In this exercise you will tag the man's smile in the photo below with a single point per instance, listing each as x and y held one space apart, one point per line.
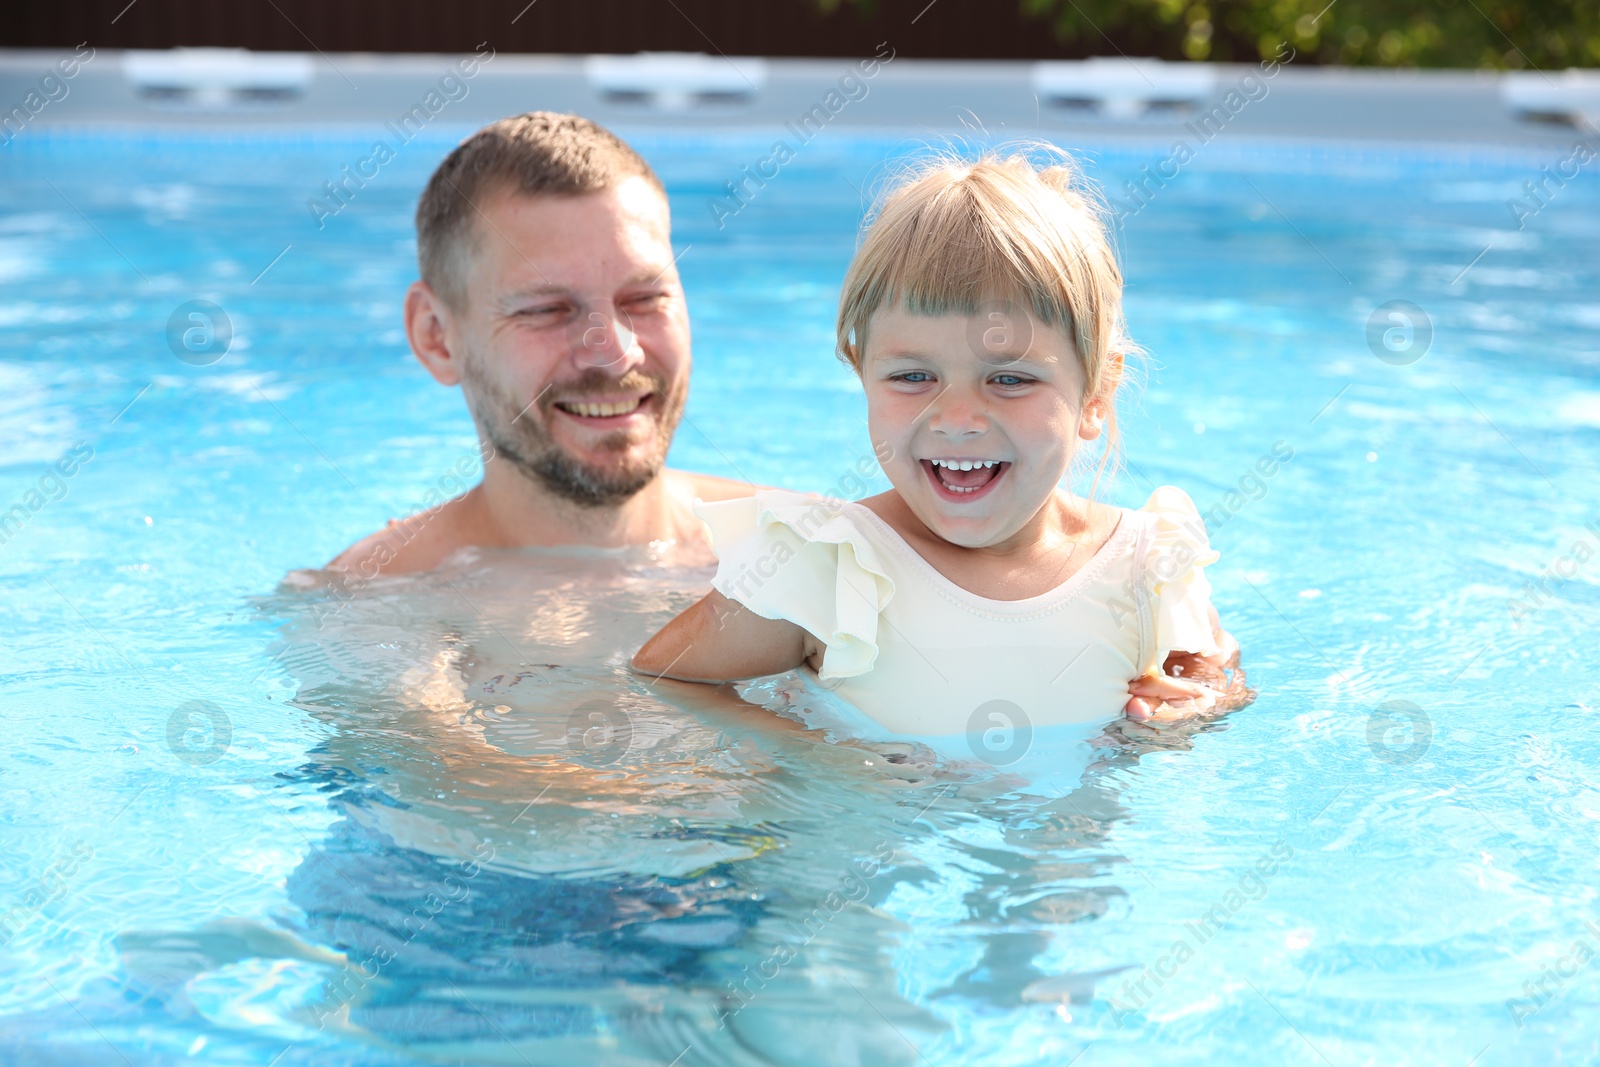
606 411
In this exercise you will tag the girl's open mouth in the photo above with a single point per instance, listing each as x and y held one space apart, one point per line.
964 480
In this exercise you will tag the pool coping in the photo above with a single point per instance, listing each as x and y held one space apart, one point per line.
937 98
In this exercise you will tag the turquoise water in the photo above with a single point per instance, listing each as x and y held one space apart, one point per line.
258 823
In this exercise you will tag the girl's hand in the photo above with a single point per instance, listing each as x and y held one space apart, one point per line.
1164 698
1191 686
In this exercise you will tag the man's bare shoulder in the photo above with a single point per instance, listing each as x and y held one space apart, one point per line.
709 487
405 546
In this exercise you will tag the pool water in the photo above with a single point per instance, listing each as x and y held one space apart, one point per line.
255 821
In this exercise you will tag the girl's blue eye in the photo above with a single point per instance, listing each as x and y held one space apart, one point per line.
1009 381
915 377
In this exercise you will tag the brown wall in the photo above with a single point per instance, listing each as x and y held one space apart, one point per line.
969 29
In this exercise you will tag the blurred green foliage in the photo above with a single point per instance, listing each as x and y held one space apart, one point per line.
1494 34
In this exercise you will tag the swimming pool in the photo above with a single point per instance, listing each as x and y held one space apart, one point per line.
260 825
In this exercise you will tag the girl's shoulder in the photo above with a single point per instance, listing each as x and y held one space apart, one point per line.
1177 551
1170 502
1177 538
814 561
803 516
772 527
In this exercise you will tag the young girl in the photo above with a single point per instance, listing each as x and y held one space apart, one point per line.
983 314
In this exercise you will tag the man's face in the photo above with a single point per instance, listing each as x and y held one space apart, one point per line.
574 338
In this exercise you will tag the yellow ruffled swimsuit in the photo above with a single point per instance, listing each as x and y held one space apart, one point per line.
924 657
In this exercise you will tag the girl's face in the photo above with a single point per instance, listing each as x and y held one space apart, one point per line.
984 414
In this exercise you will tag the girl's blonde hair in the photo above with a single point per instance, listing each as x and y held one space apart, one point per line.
957 237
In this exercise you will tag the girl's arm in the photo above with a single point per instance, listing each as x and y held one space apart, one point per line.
720 640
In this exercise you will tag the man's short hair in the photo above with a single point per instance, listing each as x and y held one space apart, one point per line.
541 153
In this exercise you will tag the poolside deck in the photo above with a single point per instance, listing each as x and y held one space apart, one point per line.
1350 105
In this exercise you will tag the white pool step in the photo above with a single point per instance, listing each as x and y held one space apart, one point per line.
217 77
676 81
1570 95
1123 89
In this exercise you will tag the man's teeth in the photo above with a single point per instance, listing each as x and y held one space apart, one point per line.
595 411
964 464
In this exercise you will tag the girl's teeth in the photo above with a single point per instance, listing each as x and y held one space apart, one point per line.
954 465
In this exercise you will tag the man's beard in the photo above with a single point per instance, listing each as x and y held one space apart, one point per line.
520 432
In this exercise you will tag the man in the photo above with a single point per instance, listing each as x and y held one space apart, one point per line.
550 295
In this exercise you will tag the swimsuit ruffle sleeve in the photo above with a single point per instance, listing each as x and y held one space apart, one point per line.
797 557
1180 595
